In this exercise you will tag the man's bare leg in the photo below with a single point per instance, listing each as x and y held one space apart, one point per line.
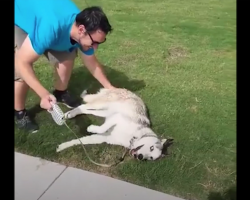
63 70
63 73
21 89
23 121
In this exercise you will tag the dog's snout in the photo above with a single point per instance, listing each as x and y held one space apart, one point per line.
140 157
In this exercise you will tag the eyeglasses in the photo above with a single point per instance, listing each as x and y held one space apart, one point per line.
95 42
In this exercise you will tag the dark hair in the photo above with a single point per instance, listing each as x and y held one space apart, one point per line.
93 18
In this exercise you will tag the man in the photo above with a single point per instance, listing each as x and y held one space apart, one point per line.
55 28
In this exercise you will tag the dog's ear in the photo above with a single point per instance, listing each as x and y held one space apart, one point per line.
160 145
166 143
163 141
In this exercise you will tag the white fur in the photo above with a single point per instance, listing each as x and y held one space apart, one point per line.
126 123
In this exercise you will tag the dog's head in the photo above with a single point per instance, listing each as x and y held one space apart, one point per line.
150 148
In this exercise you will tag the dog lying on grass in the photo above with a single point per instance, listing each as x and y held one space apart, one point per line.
126 124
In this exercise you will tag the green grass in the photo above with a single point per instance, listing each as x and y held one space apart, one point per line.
180 57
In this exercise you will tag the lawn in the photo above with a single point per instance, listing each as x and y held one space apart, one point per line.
180 57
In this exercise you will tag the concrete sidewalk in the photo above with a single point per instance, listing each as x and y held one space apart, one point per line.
40 179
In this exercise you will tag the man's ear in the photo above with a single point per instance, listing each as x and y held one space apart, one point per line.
81 29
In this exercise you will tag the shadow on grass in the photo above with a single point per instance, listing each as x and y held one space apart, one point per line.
229 194
81 79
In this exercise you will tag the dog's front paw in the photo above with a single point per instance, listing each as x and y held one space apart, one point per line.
59 148
63 146
68 115
93 129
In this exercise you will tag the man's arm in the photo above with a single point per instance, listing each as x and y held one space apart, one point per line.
25 57
96 69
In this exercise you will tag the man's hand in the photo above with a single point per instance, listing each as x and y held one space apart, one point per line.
47 100
111 87
96 70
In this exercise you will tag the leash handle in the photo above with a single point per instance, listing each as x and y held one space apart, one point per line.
57 114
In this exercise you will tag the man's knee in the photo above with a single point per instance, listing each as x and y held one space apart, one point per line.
20 36
56 57
18 78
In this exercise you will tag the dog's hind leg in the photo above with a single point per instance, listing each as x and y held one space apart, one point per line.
92 139
109 122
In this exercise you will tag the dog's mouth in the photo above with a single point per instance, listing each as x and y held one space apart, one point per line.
133 152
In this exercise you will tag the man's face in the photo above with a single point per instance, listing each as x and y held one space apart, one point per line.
87 40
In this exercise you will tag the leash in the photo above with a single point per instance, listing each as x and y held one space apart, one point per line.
59 118
99 164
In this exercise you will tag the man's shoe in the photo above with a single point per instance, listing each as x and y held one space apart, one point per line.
65 98
24 122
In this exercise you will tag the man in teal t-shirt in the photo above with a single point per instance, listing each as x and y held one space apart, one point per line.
55 28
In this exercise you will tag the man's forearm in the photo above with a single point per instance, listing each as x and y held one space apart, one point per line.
28 75
98 72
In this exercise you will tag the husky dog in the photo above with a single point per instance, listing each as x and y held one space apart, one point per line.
126 124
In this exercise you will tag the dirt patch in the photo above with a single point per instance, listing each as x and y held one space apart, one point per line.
193 109
175 54
224 53
128 58
128 44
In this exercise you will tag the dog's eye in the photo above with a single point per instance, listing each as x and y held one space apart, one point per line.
151 158
151 148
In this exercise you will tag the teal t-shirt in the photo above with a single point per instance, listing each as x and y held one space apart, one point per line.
48 24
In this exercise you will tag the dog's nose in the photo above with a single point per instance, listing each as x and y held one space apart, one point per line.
140 157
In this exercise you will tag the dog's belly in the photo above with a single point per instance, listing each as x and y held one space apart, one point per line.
122 133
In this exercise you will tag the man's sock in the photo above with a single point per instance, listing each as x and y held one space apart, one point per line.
20 113
59 92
